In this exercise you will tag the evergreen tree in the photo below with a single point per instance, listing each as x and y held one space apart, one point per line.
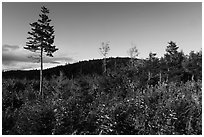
172 48
193 65
174 60
41 39
171 57
152 67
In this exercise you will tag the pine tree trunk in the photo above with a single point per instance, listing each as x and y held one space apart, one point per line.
41 73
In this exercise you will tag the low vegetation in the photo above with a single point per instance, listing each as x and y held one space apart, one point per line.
156 96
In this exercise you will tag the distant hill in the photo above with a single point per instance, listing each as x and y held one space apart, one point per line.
70 70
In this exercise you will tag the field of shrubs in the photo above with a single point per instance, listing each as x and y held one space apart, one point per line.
112 104
109 96
153 96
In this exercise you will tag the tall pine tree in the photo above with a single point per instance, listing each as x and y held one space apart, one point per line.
41 39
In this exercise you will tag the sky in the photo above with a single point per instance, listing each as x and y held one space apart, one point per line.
80 28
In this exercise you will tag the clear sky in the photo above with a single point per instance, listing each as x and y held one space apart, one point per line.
81 27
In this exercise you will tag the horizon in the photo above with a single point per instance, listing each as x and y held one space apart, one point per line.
63 64
80 27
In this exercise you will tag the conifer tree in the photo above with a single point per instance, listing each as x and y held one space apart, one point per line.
193 64
174 60
171 56
41 39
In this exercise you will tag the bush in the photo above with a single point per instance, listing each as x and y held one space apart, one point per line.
110 105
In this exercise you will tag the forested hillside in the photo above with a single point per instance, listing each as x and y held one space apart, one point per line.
70 70
133 97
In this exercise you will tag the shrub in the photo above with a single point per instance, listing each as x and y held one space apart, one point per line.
108 105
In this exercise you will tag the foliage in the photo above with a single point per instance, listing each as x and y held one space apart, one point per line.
192 64
122 102
42 35
104 105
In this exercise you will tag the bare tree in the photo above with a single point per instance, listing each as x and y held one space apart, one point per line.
133 53
104 49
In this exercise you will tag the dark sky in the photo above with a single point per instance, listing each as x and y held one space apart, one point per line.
81 27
